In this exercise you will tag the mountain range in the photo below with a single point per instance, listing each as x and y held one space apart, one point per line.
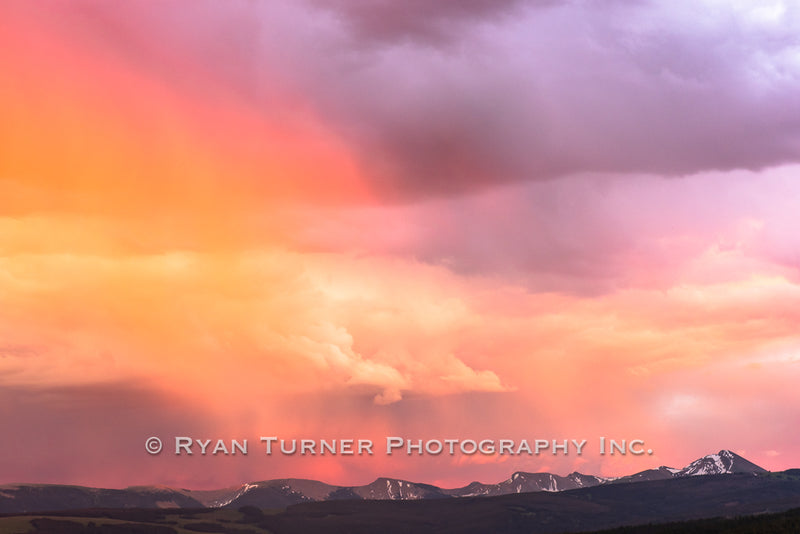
279 493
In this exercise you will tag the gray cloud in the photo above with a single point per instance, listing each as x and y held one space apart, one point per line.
449 97
582 87
418 21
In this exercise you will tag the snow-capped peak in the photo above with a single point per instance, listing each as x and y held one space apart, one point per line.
712 464
722 463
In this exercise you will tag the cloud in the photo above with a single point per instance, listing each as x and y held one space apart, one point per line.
636 88
510 105
463 377
307 322
587 234
19 351
436 221
68 433
436 100
417 21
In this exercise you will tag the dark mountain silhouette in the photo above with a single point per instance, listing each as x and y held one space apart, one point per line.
280 493
589 509
703 504
16 498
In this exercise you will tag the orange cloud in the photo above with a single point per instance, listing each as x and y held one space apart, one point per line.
234 261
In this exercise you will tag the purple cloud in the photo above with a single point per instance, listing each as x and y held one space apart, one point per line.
614 88
447 97
419 21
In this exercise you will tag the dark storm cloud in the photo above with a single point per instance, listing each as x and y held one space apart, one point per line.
418 21
441 98
581 87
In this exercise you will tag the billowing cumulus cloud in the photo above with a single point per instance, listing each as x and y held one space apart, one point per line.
273 321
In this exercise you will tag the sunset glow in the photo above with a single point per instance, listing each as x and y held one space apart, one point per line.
347 219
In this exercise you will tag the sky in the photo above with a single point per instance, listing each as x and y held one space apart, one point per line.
335 219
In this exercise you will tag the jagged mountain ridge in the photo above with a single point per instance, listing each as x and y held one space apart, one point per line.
724 462
279 493
521 482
